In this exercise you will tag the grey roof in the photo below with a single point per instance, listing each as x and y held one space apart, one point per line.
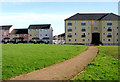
39 26
93 16
19 31
111 16
5 27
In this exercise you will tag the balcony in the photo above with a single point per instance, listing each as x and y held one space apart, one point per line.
109 36
69 36
69 24
83 23
83 29
109 29
69 30
83 36
109 23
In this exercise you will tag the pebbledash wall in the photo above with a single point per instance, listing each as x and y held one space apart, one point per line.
79 28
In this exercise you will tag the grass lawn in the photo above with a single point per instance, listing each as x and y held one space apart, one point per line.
104 67
24 58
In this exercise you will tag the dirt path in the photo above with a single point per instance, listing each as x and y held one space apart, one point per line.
63 70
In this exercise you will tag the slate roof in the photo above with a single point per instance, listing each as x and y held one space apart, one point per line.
5 27
93 16
61 35
20 31
39 26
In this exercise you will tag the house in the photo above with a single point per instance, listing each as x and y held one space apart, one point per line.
19 36
40 33
59 39
92 29
4 33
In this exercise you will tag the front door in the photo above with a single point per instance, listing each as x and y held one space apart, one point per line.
96 38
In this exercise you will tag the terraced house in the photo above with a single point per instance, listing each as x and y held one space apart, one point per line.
40 33
92 28
19 36
4 33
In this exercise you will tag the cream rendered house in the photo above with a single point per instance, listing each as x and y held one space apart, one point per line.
92 28
40 33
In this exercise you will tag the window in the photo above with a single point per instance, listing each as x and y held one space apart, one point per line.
83 34
69 23
35 34
69 28
117 33
69 34
69 40
109 39
103 33
75 27
109 29
88 33
109 35
75 39
83 40
88 39
25 35
117 27
95 28
83 23
117 39
88 21
109 23
75 21
46 35
30 34
40 29
103 39
75 33
95 22
83 29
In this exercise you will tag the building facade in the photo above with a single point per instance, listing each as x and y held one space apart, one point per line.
19 36
40 33
4 33
92 28
59 39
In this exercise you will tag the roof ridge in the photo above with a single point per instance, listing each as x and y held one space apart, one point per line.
103 16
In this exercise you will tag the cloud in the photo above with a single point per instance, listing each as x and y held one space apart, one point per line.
23 20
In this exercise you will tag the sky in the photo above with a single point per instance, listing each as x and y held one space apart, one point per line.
22 14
